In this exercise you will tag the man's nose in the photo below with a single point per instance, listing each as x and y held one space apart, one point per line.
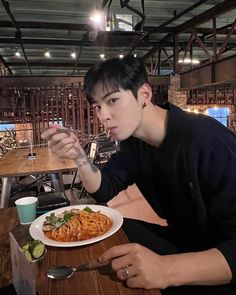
104 114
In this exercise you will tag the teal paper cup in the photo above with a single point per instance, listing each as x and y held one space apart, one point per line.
26 209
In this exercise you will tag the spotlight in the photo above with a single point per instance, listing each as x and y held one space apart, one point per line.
17 53
96 17
121 55
187 61
195 61
47 54
73 54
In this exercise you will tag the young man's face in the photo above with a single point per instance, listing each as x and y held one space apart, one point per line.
120 112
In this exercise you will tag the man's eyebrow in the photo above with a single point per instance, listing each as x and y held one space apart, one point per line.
106 95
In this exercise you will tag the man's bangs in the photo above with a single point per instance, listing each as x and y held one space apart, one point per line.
110 85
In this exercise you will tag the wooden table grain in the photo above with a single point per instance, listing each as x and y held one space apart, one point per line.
16 163
95 282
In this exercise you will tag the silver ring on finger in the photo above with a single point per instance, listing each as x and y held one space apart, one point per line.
125 272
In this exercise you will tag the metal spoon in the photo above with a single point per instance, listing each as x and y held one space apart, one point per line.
66 271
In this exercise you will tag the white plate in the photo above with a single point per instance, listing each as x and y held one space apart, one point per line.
37 233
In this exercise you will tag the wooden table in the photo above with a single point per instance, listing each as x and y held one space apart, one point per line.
16 163
87 283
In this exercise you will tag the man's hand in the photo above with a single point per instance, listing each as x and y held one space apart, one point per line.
142 268
64 143
139 266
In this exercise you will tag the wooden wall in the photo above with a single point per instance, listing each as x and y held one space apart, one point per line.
34 106
32 109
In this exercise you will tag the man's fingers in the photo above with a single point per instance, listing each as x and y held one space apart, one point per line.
115 252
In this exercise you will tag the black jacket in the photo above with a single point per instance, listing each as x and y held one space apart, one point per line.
190 180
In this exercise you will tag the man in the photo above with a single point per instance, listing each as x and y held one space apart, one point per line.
185 166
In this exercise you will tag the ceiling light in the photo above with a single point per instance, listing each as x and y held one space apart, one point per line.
195 61
17 53
102 55
96 17
73 54
187 61
47 54
121 55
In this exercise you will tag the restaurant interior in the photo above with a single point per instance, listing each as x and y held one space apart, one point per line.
46 48
188 47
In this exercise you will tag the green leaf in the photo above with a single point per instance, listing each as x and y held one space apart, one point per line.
52 218
88 209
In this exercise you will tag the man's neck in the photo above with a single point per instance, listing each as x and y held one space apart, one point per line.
154 125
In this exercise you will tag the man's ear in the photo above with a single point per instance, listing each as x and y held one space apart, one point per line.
145 94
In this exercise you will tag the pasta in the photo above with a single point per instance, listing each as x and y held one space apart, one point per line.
76 225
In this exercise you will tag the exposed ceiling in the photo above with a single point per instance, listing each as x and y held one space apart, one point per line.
62 26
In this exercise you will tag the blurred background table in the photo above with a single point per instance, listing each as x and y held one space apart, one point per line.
16 163
87 283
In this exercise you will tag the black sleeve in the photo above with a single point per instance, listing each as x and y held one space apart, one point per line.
220 181
117 174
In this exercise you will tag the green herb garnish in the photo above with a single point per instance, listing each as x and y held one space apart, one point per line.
88 209
58 221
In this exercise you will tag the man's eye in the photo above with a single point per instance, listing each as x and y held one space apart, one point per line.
96 108
112 100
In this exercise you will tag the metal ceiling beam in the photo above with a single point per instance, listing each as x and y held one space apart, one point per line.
2 60
46 63
207 15
207 33
17 33
37 81
177 16
87 27
217 10
64 42
219 72
47 26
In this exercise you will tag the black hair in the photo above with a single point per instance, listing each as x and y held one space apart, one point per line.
114 74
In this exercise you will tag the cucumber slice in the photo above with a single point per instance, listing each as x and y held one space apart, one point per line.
38 250
25 247
28 255
33 250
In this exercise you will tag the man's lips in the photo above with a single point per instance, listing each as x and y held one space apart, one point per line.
111 130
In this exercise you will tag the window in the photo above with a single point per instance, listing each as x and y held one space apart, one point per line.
6 127
220 114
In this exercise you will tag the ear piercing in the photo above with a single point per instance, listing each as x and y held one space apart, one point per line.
144 105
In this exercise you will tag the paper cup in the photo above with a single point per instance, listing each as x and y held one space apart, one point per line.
26 209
